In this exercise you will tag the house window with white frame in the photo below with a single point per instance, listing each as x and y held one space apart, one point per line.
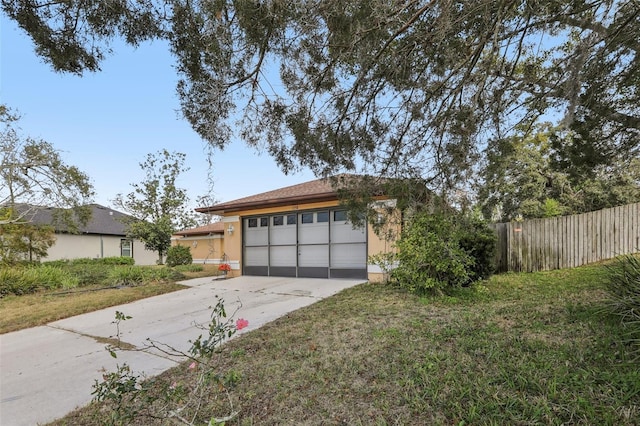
126 248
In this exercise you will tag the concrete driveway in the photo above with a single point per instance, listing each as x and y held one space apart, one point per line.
48 371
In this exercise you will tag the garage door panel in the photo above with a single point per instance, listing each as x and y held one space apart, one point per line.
283 235
283 255
348 255
313 256
351 273
282 271
314 233
313 272
256 236
344 233
256 256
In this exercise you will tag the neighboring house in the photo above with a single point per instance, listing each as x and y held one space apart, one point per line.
103 236
206 242
297 231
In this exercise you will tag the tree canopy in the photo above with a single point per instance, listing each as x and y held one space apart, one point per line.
33 174
525 177
398 89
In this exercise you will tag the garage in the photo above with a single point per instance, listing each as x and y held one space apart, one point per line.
310 244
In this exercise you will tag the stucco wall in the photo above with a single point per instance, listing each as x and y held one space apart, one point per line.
204 248
74 246
383 241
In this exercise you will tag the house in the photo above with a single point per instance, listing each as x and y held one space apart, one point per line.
206 242
297 231
104 235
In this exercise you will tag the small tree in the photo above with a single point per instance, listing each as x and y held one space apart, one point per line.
156 206
24 241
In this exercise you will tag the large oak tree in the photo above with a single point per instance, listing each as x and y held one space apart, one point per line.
411 89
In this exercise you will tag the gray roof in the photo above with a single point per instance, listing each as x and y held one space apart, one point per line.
103 221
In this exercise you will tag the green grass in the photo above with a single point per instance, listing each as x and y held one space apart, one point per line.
63 289
520 349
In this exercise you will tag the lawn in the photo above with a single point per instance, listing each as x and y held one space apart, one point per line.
30 310
520 349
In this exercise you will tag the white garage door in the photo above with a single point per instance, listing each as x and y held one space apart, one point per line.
315 244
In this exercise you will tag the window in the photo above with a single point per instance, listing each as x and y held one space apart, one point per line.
278 220
253 223
307 217
340 216
323 217
264 221
291 219
126 248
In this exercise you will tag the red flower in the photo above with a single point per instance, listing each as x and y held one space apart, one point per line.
241 323
224 267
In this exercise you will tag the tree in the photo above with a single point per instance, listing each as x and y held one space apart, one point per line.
525 176
32 174
24 241
156 205
400 89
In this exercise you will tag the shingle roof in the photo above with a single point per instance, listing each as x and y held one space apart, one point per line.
104 221
212 228
315 190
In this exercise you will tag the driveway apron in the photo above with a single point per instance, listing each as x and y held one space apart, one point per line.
48 371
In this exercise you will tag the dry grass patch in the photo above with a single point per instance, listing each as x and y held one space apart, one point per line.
30 310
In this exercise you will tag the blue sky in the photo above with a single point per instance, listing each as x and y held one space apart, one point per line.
107 122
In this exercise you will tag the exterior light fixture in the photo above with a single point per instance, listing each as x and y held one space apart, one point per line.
230 229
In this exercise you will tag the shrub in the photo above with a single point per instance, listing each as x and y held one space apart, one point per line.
429 255
91 274
442 250
112 260
116 260
127 275
480 242
162 274
25 280
179 255
623 287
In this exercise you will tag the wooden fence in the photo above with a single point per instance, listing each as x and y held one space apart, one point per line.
568 241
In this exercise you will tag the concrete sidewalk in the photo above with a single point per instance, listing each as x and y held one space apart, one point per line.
48 371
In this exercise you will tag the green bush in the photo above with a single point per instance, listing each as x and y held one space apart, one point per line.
25 280
623 288
116 260
112 260
162 274
429 255
127 275
480 242
90 274
179 255
441 250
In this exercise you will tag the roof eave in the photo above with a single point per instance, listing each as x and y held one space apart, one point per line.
222 209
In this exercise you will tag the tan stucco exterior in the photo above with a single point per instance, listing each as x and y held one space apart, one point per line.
380 242
74 246
204 248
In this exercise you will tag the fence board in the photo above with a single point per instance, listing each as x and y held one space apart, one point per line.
568 241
